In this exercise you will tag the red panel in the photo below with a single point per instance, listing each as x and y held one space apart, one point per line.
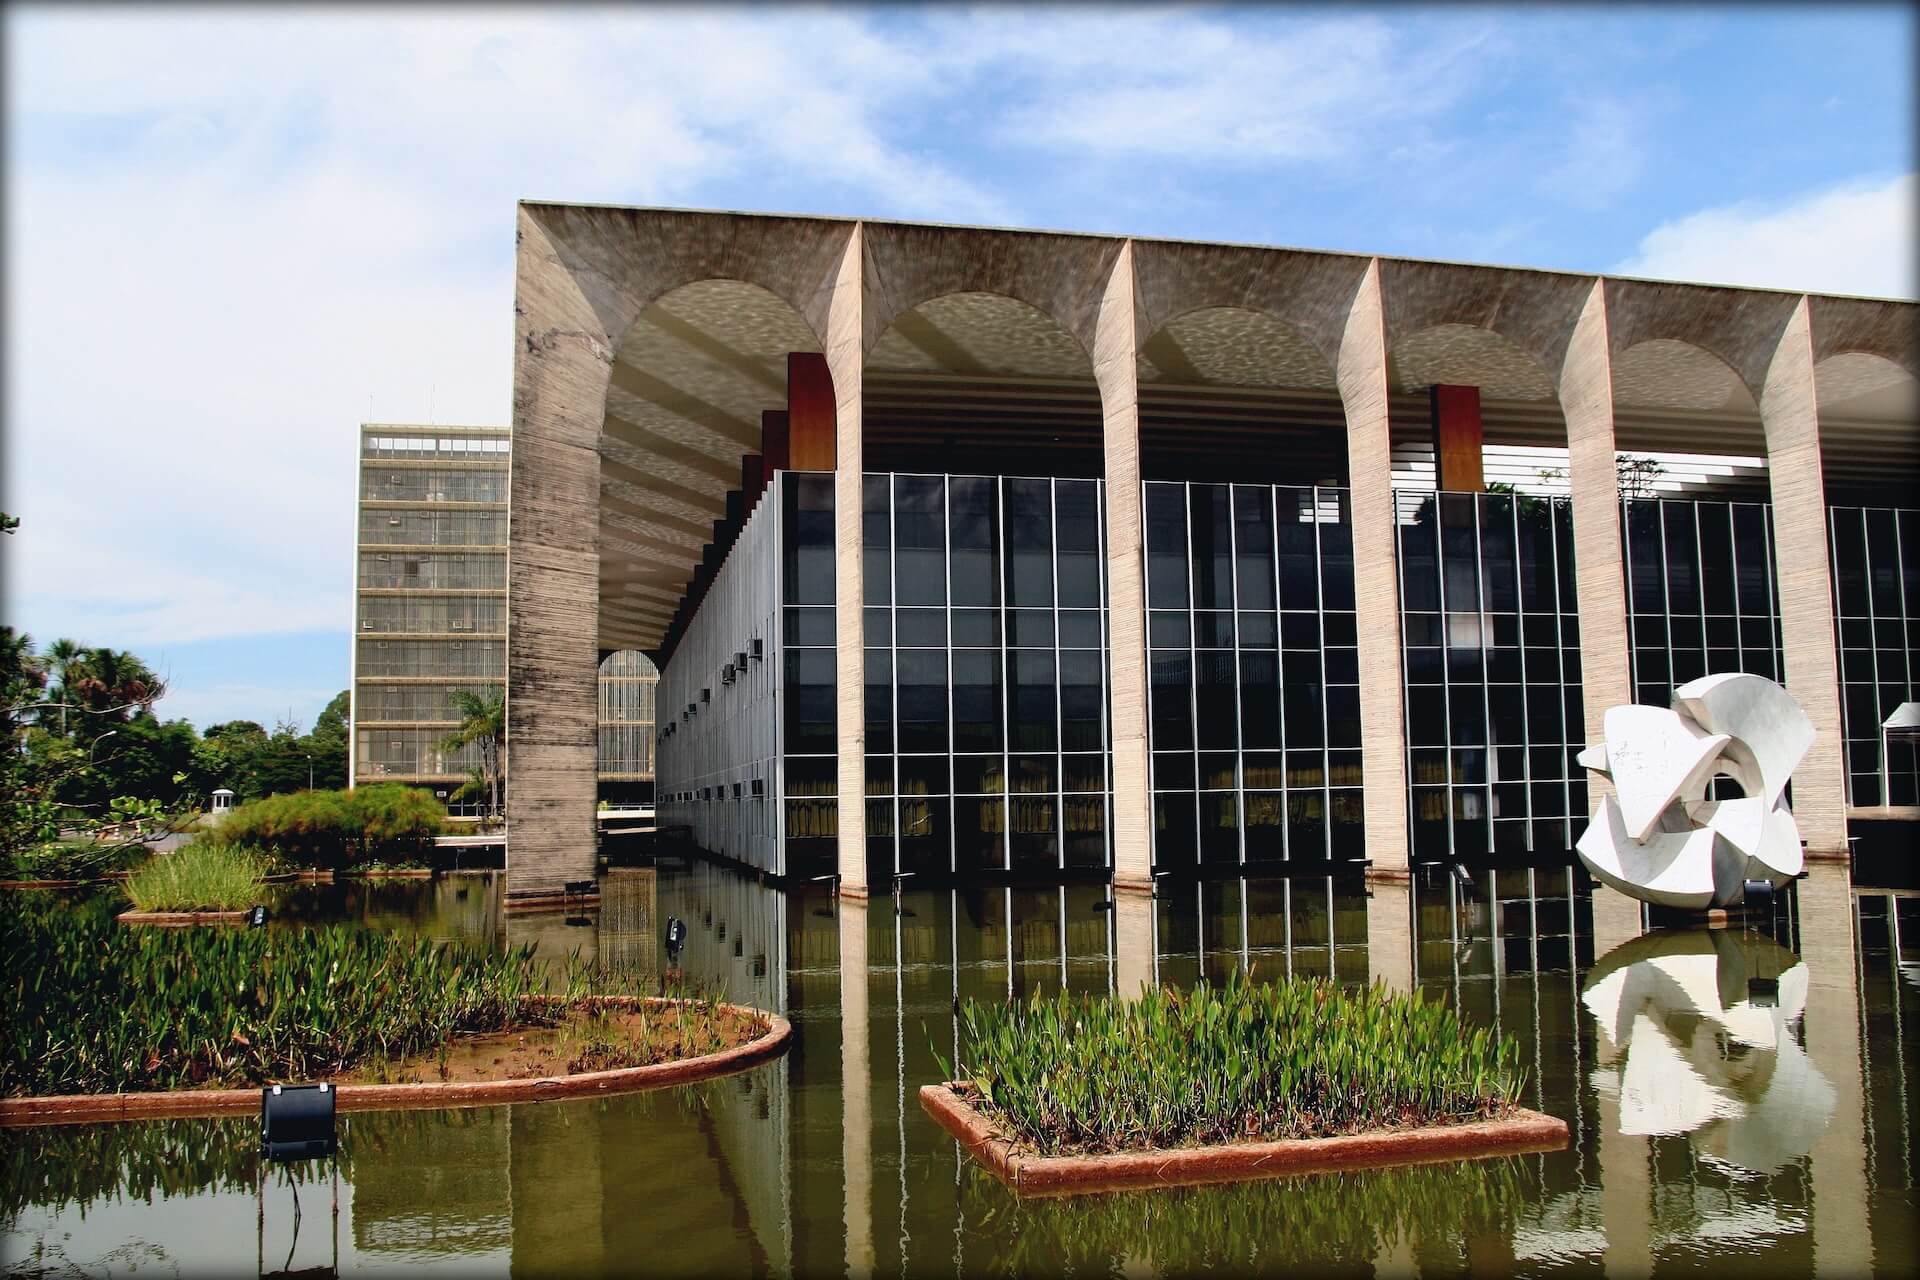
810 412
1457 438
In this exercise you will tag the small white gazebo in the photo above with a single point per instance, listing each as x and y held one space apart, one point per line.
222 803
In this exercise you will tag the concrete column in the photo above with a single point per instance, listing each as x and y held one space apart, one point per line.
856 1088
1616 919
846 354
1804 575
1842 1244
1133 944
1116 372
1586 399
1362 377
562 360
1390 936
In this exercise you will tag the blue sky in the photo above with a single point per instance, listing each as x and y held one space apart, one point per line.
233 233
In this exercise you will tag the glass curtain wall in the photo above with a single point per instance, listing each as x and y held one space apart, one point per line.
1254 698
1876 592
986 699
1491 643
1700 593
809 777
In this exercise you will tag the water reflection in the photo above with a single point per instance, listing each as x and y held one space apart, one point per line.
1698 1036
1711 1128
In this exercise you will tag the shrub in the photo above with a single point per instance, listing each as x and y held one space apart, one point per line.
1243 1062
197 877
335 828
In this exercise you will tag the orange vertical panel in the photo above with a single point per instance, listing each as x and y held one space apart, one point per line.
810 412
1457 437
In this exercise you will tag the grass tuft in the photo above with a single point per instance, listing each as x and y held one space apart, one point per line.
1244 1062
197 877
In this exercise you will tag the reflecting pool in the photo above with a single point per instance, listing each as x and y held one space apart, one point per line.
1740 1101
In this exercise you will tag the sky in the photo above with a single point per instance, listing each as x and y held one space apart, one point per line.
232 234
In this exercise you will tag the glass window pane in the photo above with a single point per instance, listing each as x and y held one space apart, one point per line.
973 504
1166 539
920 539
1077 517
1029 542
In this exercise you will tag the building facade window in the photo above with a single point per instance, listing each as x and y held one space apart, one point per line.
1490 640
1876 591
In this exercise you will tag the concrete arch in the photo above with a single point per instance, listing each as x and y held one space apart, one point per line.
1470 355
1742 328
906 266
1229 344
1534 312
980 332
1861 400
1312 294
623 260
1865 326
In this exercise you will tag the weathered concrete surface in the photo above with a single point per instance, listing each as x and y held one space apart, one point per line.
1805 581
845 361
1586 398
1116 370
1362 373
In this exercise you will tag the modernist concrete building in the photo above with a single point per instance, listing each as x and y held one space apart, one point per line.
430 619
986 552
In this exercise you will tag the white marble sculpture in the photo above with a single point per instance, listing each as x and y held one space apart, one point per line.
1659 838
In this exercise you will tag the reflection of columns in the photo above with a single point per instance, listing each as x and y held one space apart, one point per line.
562 361
1362 375
856 1087
1116 372
1842 1245
846 348
1799 492
1616 918
1626 1187
1133 944
1389 936
1586 399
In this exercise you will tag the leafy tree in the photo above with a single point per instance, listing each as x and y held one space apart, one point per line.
483 726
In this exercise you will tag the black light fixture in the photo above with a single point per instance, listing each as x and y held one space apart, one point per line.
256 917
676 938
297 1122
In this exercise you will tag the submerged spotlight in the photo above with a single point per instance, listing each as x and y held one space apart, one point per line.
297 1122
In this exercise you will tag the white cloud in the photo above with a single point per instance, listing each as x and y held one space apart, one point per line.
233 236
1857 238
1172 86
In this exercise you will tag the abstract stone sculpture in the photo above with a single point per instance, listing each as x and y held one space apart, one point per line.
1661 840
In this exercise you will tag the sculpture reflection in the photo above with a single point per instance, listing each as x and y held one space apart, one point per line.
1697 1036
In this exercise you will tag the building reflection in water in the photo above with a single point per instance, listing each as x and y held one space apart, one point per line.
1708 1125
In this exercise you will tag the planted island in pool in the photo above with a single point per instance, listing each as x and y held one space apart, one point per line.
95 1009
1239 1080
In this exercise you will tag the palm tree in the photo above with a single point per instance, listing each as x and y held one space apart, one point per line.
483 726
61 656
112 682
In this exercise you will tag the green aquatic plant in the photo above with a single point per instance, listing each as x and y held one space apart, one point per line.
1247 1061
197 877
95 1007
